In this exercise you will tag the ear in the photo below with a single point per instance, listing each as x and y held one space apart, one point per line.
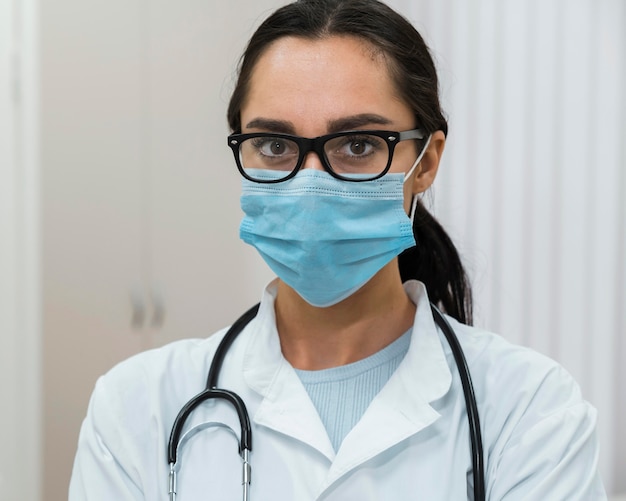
426 171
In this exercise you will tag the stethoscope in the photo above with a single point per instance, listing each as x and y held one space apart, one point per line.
211 391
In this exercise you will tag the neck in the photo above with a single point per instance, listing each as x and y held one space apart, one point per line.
318 338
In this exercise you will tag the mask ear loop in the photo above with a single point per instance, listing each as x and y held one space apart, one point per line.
413 209
418 160
408 175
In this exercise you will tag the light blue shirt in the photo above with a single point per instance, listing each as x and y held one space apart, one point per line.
342 394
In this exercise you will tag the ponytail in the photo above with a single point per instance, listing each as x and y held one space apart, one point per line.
436 262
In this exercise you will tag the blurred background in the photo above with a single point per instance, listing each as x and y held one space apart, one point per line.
119 206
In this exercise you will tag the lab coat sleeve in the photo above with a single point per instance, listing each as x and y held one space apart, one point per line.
103 466
552 452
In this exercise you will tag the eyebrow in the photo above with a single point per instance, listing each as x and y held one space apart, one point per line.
356 122
268 124
353 122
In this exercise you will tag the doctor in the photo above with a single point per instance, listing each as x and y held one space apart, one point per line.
352 391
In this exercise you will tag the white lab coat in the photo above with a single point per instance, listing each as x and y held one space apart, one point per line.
412 442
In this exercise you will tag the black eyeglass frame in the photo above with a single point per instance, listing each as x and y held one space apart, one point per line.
316 145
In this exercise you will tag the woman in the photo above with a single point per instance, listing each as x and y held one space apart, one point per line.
351 388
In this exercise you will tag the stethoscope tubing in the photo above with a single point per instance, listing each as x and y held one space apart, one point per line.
226 342
476 441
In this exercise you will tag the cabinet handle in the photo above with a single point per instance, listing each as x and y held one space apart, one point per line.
139 309
158 315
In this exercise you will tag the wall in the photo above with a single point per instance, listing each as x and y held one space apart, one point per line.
533 181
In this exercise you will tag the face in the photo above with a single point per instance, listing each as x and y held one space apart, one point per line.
314 87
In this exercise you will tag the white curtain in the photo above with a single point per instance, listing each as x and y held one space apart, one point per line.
533 183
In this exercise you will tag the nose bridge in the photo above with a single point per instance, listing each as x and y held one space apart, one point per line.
312 161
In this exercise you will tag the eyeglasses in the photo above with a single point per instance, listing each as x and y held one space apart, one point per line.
361 155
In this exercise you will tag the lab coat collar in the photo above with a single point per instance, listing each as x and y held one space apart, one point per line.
426 375
400 410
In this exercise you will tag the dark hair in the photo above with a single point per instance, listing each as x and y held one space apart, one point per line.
434 260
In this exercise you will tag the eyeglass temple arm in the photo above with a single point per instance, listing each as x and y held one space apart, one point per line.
412 134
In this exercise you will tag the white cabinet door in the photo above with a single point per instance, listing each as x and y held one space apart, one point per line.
198 264
140 192
194 202
93 161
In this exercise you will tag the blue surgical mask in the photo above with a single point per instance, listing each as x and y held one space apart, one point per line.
324 237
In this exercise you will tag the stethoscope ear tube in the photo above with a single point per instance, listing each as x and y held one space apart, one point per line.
470 404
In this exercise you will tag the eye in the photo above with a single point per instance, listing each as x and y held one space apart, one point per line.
268 152
360 146
273 146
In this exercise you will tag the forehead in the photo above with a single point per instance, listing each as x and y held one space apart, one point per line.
313 81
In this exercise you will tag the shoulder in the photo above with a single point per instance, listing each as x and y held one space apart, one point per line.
539 434
137 400
190 354
172 372
123 438
504 372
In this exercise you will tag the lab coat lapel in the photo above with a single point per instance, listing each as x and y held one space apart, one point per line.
286 406
402 408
